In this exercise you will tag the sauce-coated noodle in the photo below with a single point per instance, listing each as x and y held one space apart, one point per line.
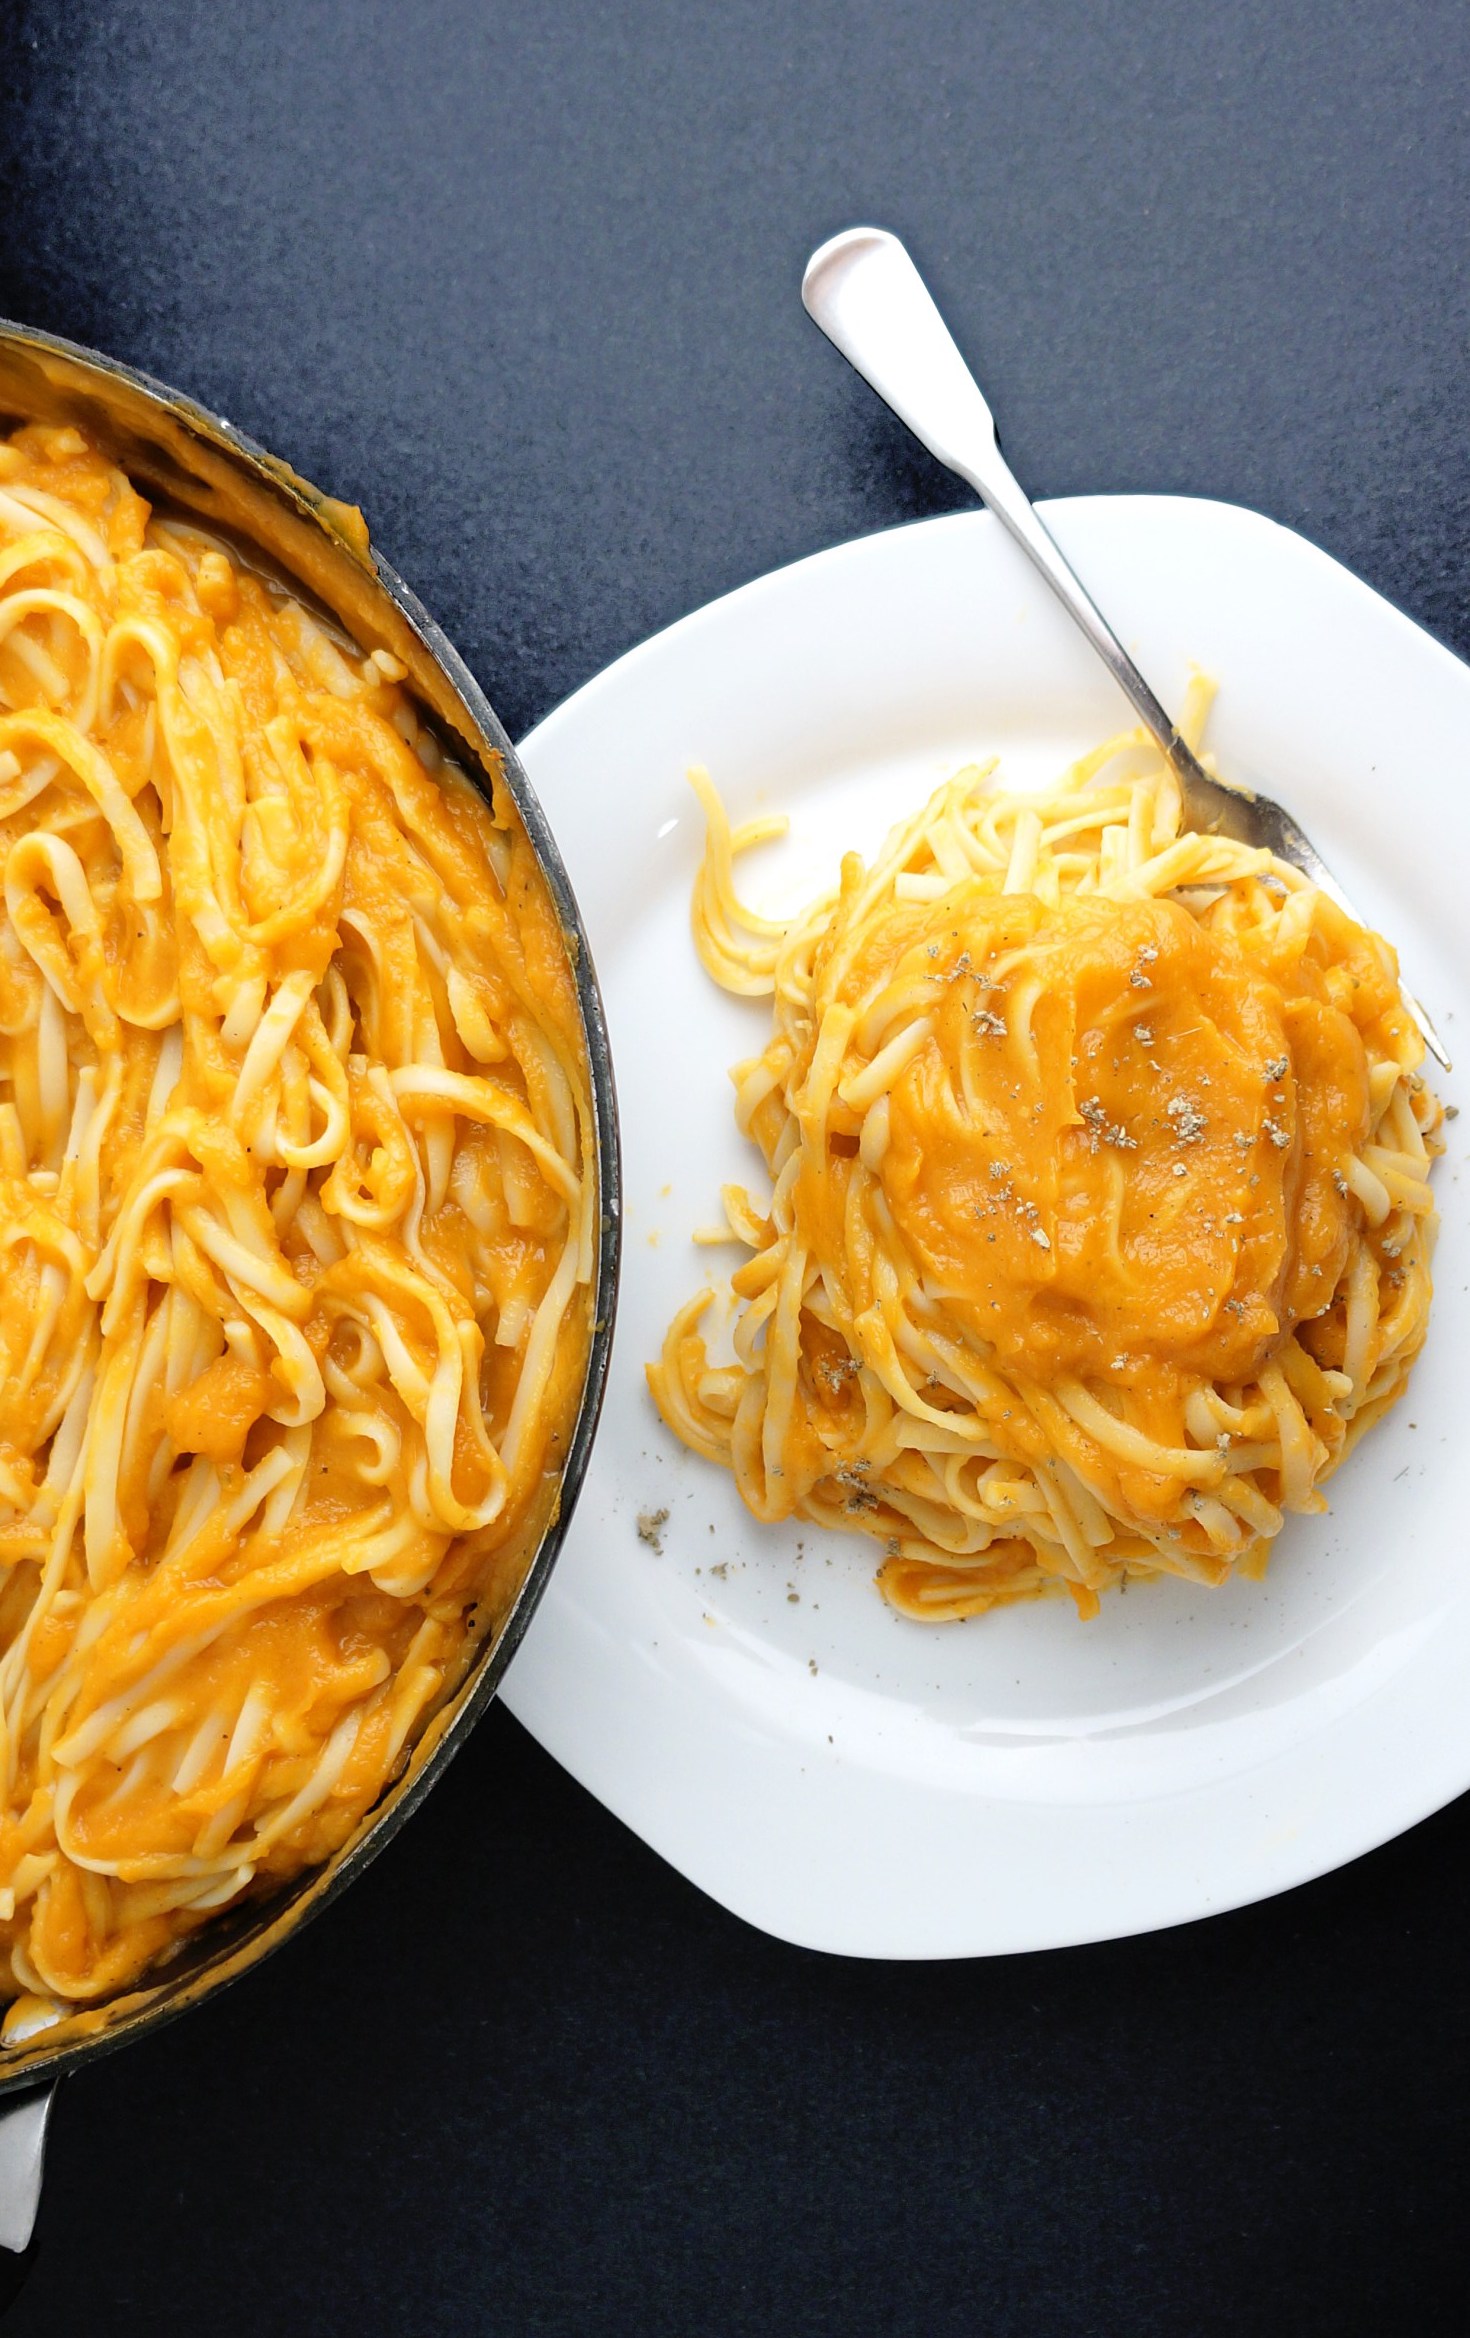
297 1214
1100 1222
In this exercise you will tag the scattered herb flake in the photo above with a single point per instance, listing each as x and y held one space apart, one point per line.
1189 1122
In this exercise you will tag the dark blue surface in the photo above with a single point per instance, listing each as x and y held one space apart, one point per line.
520 277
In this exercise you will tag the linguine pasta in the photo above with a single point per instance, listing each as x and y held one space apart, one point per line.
297 1223
1099 1223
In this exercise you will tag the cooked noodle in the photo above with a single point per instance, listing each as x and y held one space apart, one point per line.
1100 1223
297 1217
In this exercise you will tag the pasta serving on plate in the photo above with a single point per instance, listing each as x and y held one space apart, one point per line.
1099 1223
297 1219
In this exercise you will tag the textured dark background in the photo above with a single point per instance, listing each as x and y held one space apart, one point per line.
520 276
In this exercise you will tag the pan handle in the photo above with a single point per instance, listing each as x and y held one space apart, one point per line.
23 2122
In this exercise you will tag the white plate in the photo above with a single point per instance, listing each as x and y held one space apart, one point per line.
840 1776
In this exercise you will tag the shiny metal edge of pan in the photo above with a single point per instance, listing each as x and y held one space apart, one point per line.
195 460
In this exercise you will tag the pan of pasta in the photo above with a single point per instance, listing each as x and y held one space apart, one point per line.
308 1203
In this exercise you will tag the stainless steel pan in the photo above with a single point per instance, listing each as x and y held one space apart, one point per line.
197 463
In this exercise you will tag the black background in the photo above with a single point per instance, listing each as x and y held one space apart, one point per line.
520 277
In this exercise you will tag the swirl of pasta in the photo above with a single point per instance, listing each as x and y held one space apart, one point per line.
297 1225
1099 1224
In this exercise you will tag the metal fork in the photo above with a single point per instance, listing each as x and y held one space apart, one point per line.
870 300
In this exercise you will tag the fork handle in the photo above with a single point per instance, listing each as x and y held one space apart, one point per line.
871 302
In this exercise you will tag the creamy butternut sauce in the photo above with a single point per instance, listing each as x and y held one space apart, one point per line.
297 1211
1099 1216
